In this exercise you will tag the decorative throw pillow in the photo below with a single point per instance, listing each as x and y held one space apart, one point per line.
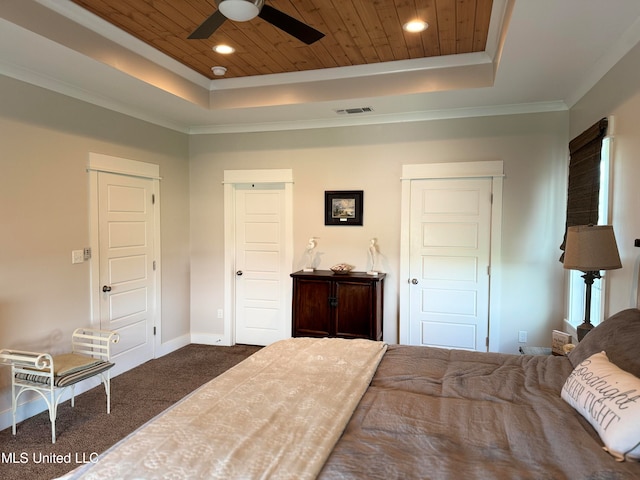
619 336
609 398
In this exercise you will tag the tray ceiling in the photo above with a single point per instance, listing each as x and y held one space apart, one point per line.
357 32
538 56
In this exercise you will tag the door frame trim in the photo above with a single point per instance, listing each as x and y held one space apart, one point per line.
231 178
97 163
483 169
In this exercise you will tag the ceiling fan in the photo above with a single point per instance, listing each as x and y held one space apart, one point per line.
245 10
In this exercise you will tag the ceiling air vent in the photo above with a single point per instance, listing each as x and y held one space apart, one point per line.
350 111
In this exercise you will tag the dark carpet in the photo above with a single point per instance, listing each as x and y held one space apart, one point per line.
86 430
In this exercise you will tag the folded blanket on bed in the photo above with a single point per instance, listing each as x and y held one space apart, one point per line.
276 415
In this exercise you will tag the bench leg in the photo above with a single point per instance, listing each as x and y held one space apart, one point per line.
106 381
53 413
14 408
53 426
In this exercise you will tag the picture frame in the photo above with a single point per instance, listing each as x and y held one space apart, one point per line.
343 207
558 340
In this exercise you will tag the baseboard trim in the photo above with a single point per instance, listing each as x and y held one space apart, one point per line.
208 339
173 345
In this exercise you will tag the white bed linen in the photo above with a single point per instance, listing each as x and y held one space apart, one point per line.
276 415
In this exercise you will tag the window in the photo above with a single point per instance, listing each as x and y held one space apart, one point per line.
576 300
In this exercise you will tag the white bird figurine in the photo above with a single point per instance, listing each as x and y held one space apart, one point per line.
310 255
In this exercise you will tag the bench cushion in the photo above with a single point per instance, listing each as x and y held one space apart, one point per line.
72 362
69 378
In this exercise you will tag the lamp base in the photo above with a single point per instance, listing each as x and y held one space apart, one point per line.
583 329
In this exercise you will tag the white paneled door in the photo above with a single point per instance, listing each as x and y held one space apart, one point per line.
261 299
450 246
127 280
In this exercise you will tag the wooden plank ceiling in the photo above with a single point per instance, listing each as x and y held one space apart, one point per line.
357 32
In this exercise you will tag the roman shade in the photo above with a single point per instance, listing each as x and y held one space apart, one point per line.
584 178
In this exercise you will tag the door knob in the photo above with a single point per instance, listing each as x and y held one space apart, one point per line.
239 273
414 281
106 288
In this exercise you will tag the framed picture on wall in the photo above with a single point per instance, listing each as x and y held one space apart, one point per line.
343 207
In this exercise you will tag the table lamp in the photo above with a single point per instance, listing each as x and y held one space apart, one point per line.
590 249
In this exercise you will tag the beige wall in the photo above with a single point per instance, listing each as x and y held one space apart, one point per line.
45 140
618 94
370 158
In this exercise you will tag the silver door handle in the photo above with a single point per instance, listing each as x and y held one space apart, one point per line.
414 281
239 273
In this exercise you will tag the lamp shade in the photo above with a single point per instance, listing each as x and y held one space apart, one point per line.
591 248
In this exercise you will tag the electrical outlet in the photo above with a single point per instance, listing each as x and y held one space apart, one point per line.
522 336
220 313
77 256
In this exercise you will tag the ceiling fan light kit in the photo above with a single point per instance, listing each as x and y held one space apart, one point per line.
245 10
240 10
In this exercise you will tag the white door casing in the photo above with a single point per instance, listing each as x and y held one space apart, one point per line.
259 301
447 297
125 286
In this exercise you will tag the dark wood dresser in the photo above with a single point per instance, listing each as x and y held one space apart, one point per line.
337 305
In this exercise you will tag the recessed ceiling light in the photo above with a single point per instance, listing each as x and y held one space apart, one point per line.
415 26
224 49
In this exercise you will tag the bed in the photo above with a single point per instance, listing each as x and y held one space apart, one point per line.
338 409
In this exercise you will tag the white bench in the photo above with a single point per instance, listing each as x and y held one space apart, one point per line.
50 376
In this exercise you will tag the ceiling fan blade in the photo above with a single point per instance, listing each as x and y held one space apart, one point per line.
284 22
210 25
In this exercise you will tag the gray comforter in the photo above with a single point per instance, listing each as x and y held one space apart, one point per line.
438 414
